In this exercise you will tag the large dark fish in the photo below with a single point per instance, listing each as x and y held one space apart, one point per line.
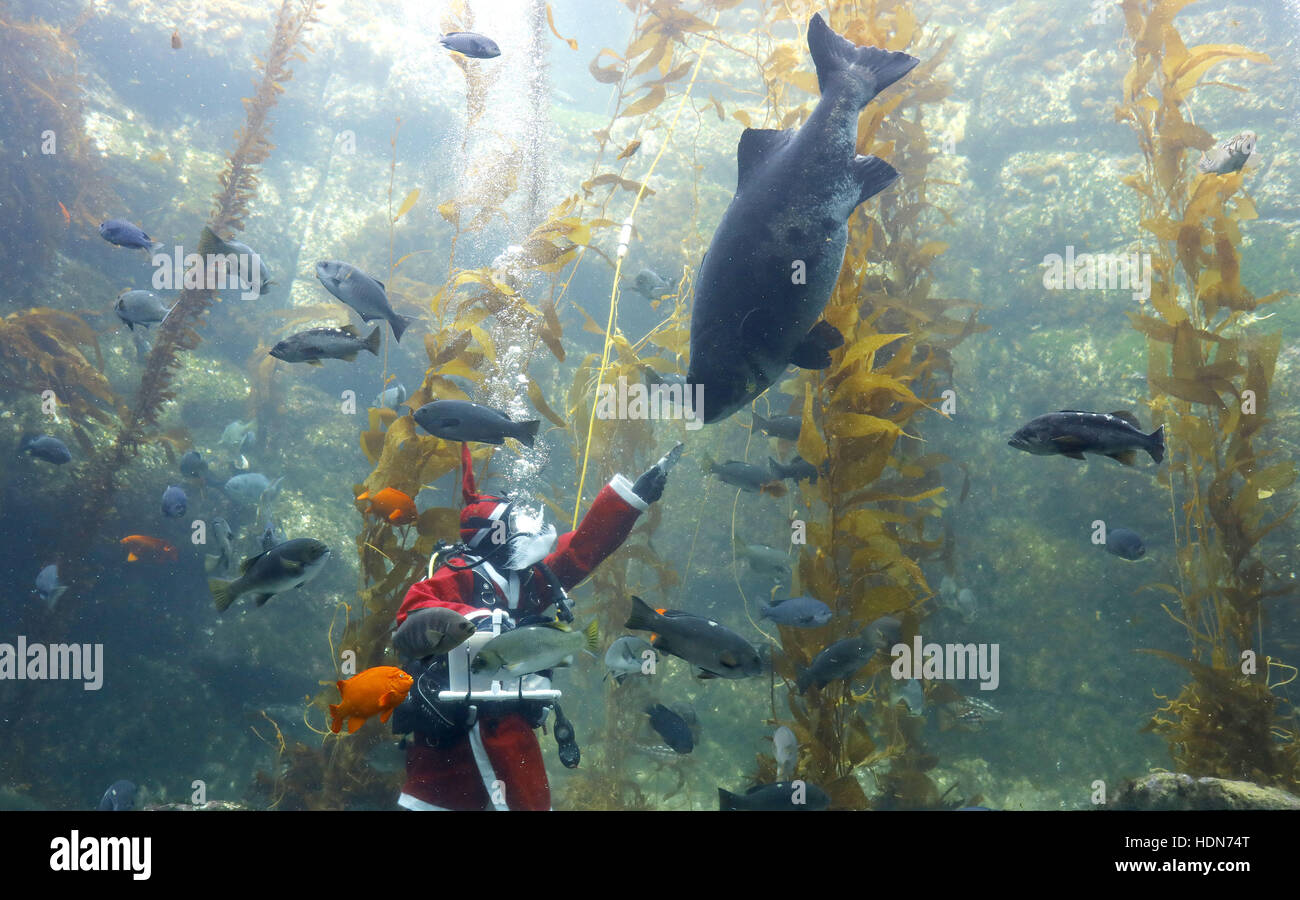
366 295
43 446
315 344
477 46
798 469
125 234
460 420
1072 433
1125 544
784 427
778 250
715 649
843 658
671 727
119 797
746 476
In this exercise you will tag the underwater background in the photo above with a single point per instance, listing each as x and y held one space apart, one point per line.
489 196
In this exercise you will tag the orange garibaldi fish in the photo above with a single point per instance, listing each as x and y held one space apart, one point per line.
391 504
374 691
141 546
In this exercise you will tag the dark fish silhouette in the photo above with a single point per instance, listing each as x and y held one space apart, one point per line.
1072 433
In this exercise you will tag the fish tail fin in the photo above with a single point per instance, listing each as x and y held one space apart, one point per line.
642 617
869 70
399 324
759 422
1157 448
372 341
528 432
222 596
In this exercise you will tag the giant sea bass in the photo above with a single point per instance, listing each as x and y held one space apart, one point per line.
777 252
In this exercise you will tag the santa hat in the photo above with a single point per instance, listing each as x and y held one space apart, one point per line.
481 511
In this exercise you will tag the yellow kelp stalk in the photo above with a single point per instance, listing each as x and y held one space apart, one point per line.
1209 372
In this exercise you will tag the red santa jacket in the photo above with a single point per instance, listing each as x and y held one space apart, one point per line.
605 526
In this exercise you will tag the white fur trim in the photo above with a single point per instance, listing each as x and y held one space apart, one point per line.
623 488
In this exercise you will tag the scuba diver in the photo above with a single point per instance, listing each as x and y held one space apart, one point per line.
482 753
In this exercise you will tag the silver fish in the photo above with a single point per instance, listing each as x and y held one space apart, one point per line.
47 585
1230 156
143 308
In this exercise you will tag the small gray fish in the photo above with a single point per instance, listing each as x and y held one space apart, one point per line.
221 537
174 502
784 427
797 469
1230 156
143 308
366 295
247 265
315 344
1125 544
432 631
968 714
785 747
470 44
750 478
460 420
392 397
124 234
845 657
798 612
912 693
48 587
282 568
627 656
252 488
193 465
1073 432
45 447
764 560
966 605
784 795
236 432
649 285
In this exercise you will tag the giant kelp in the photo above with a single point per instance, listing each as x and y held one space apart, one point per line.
860 421
178 334
1209 372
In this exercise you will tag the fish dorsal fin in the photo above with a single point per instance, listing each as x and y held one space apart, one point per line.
381 285
1073 410
755 145
1127 417
248 563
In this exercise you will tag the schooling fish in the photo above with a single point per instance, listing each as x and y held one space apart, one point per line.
282 568
778 250
221 537
671 727
236 433
750 478
174 502
844 657
124 234
717 651
1125 544
764 560
1072 433
193 465
797 469
42 446
470 44
48 587
460 420
374 692
366 295
252 488
315 344
798 612
649 285
1230 156
143 308
784 427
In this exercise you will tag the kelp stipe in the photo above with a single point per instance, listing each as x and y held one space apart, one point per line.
1209 373
178 334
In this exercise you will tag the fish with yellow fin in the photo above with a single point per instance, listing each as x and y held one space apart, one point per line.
375 692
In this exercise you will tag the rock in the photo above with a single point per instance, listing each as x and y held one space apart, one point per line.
1168 790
